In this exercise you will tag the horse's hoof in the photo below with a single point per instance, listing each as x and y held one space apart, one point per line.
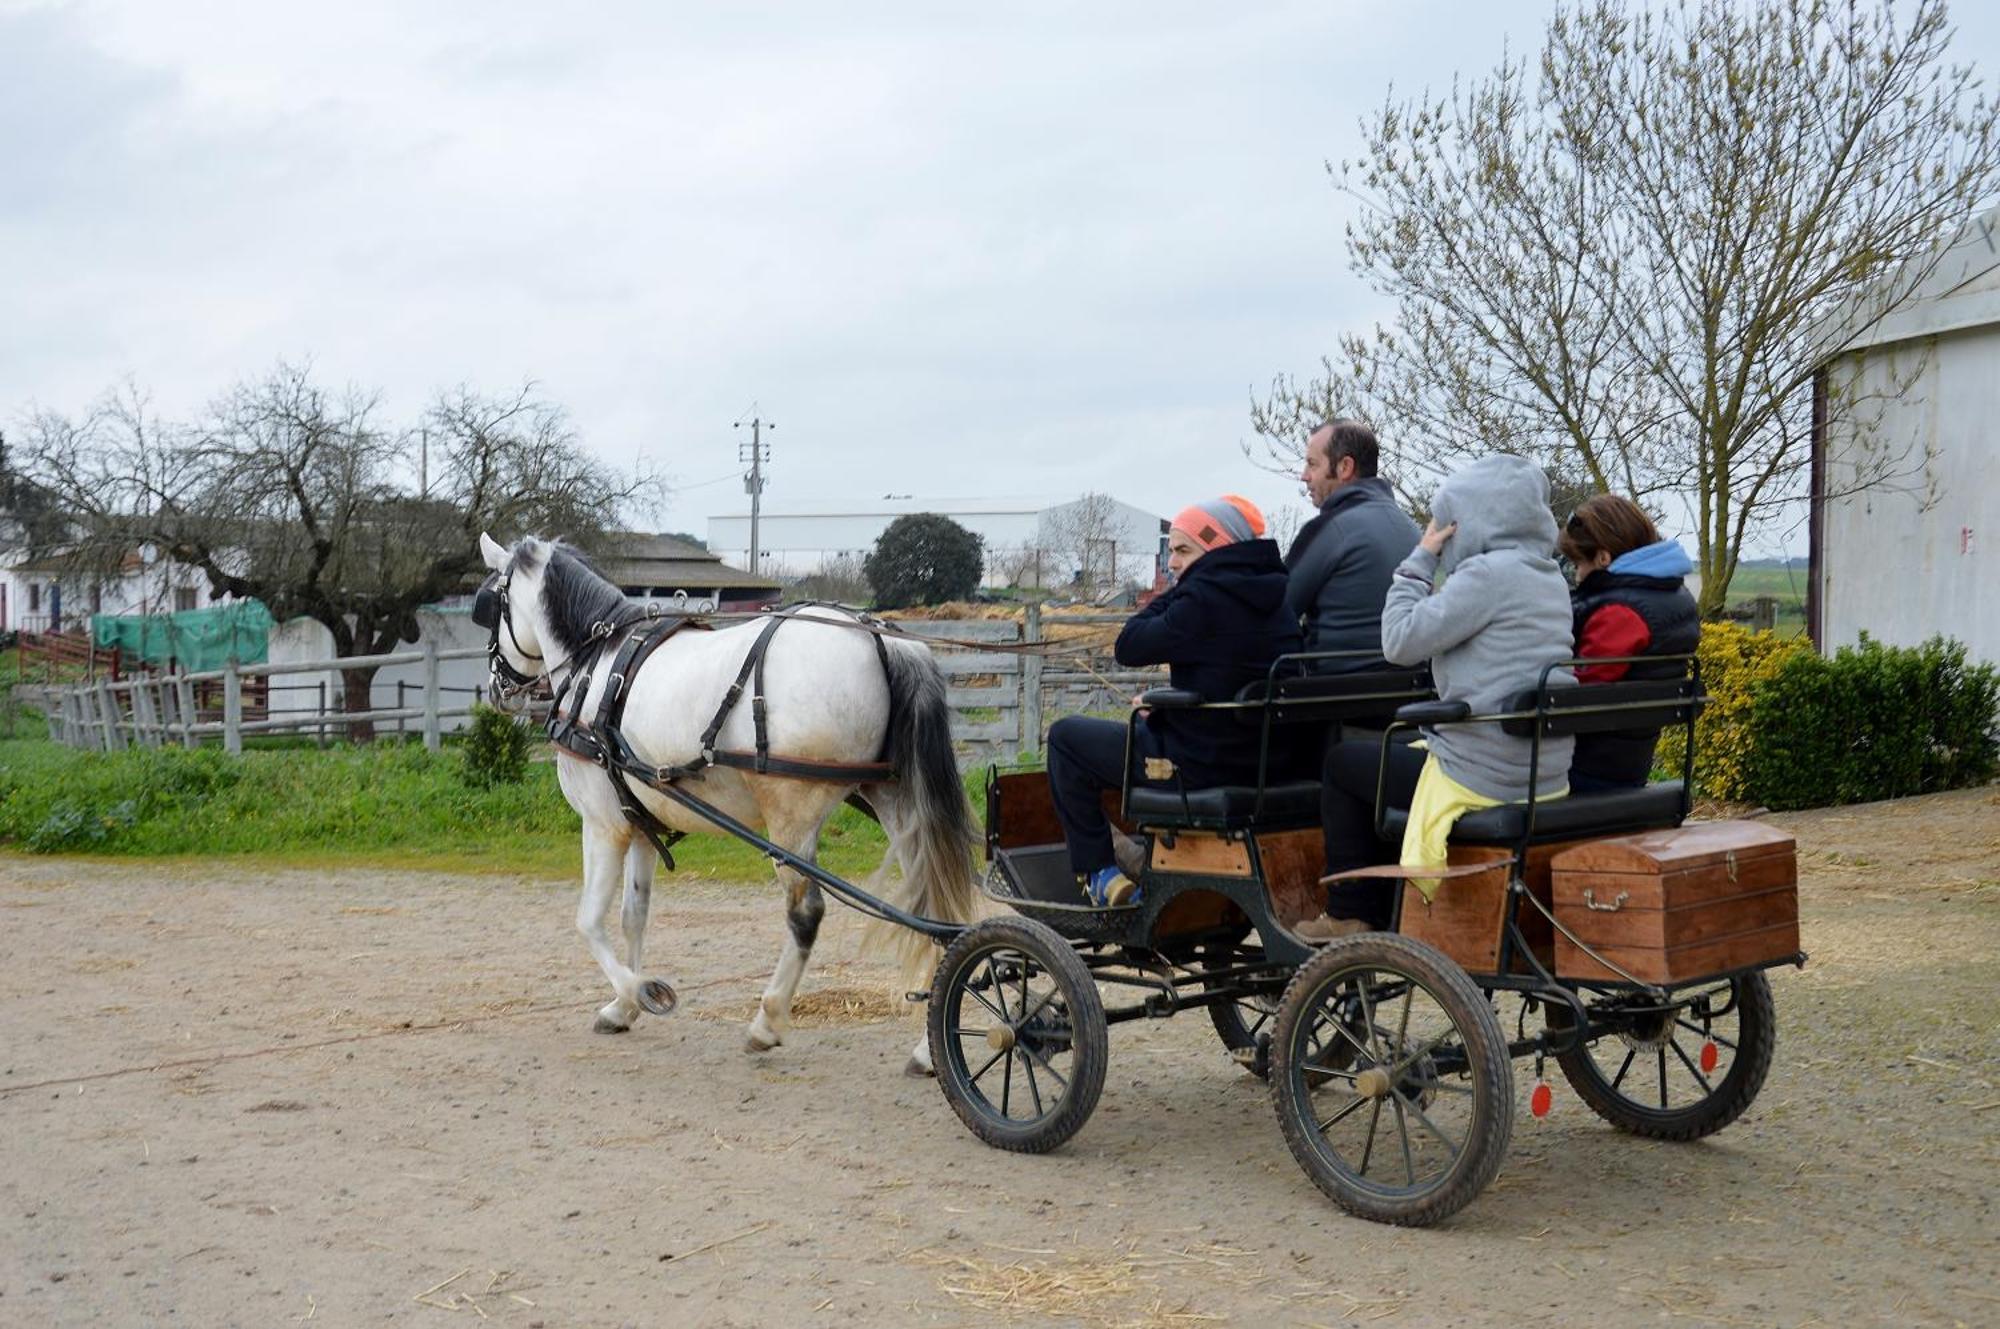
916 1070
658 997
754 1044
606 1025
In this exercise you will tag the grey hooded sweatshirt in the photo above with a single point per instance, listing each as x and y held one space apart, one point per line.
1500 618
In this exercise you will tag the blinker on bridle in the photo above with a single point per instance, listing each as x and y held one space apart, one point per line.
490 610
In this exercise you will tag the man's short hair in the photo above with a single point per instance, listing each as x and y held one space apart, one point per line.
1350 438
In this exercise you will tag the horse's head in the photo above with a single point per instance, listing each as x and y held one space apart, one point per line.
509 606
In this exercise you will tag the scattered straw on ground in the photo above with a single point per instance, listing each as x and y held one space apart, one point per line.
1119 1289
847 1005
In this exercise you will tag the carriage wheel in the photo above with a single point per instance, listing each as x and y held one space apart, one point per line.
1683 1072
1401 1115
1017 1034
1243 1023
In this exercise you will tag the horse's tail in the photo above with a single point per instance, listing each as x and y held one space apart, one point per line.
925 811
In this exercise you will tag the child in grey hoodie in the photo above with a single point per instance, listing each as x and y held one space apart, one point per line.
1501 617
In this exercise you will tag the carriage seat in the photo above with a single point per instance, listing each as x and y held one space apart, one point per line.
1291 706
1227 807
1617 812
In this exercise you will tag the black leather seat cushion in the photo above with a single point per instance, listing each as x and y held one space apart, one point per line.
1619 812
1293 802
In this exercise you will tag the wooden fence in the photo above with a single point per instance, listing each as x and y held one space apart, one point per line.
1002 700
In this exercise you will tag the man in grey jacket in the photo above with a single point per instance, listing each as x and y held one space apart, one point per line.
1341 561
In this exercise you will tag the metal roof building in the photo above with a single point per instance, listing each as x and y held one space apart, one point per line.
1914 557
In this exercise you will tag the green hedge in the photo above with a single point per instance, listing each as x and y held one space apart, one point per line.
1872 722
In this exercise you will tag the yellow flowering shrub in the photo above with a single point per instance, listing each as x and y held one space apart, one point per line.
1734 660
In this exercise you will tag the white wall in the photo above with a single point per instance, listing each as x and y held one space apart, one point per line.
1910 562
305 639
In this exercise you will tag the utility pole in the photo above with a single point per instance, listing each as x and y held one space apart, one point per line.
756 452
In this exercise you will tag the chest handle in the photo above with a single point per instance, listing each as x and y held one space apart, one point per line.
1617 902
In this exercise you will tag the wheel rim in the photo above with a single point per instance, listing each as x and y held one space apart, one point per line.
1009 1042
1653 1064
1380 1072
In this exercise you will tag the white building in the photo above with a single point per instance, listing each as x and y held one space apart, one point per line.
38 595
1029 541
1915 557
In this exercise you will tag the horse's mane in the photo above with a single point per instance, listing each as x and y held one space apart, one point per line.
576 597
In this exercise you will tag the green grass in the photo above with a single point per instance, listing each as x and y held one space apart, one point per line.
388 805
1786 585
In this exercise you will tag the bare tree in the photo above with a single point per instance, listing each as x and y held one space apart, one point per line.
1081 538
298 497
1630 259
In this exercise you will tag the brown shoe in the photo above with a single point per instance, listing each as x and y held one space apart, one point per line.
1323 929
1132 853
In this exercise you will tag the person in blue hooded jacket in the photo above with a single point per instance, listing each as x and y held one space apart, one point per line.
1631 598
1219 626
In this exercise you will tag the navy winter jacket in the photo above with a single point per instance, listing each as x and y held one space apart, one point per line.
1216 629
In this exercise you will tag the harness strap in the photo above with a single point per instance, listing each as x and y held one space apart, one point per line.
601 739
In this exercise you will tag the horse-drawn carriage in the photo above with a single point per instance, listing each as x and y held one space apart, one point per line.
1635 947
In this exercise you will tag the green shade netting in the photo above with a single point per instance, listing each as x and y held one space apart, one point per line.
194 639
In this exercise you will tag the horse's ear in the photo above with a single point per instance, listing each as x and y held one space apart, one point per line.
493 552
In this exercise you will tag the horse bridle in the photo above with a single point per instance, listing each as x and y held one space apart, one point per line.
491 610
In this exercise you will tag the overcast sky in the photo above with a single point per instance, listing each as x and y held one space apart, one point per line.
1010 250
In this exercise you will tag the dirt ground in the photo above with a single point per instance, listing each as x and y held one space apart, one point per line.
229 1097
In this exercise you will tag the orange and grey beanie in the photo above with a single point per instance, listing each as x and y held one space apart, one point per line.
1221 521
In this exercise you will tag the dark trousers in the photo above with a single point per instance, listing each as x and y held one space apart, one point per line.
1347 819
1087 757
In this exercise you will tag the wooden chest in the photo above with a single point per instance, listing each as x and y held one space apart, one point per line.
1671 906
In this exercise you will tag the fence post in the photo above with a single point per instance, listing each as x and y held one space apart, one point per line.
402 704
320 715
184 691
1031 685
433 723
108 709
232 708
1764 613
145 721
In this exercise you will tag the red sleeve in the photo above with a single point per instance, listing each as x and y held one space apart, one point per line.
1613 630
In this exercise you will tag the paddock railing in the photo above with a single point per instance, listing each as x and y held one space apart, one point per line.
1002 699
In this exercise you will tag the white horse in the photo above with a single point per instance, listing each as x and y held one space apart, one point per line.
829 699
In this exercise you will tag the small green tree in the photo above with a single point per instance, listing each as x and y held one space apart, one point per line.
496 748
924 559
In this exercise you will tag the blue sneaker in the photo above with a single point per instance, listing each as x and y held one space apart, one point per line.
1109 887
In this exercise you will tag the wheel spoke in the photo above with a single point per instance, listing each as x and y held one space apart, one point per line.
974 1077
1663 1079
1339 1027
999 1013
1048 1068
1620 1077
1693 1069
1028 1065
1447 1087
1053 993
1336 1118
1403 1129
1007 1083
956 1032
1431 1126
1368 1150
1368 1022
1715 1038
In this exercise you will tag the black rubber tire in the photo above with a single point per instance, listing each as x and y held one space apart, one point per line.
1078 1025
1756 1042
1491 1112
1236 1033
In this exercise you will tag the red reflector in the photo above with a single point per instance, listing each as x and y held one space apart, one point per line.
1540 1100
1709 1056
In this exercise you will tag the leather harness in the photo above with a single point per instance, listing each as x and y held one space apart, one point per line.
601 739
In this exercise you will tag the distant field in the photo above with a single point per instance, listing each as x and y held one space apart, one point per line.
1786 585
